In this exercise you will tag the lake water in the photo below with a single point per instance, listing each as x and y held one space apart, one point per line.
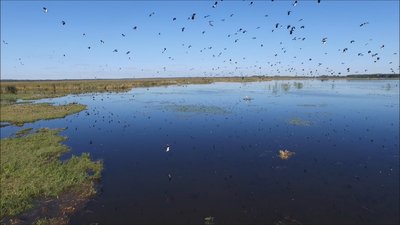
223 160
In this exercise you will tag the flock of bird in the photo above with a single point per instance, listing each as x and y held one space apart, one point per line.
274 65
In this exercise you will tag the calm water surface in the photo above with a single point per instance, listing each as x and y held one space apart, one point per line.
223 160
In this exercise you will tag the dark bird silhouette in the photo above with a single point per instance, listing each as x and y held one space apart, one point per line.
324 40
101 41
183 29
288 13
363 24
123 35
291 30
193 15
128 52
135 27
115 50
44 9
277 25
63 23
352 41
151 14
173 19
215 4
211 23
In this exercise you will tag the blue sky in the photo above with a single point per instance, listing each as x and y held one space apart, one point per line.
34 43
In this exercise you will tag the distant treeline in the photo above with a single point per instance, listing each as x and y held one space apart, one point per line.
374 76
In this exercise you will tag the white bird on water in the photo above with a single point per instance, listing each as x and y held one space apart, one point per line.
168 148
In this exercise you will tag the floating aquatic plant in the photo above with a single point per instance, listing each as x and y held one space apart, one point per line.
285 154
209 220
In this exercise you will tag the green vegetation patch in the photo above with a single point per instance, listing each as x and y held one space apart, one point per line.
299 122
31 169
23 113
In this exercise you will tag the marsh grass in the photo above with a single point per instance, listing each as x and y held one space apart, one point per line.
48 89
31 169
19 114
23 132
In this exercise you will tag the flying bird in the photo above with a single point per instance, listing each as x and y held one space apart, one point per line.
44 9
63 23
215 4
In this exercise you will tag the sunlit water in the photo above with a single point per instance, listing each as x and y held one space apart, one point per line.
224 159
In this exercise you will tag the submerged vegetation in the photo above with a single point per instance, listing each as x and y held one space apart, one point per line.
19 114
31 169
197 109
299 122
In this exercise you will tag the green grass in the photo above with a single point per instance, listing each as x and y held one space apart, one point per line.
31 168
19 114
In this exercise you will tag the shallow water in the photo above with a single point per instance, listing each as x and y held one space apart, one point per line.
224 159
